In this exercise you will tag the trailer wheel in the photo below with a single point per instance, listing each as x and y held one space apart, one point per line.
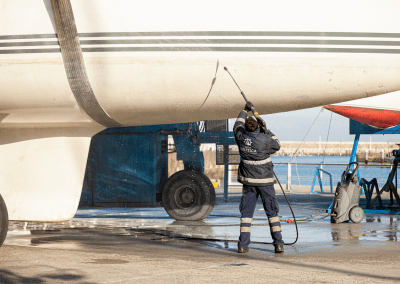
188 196
3 221
356 214
212 195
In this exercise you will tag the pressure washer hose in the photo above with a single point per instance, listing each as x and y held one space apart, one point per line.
291 210
262 243
257 116
253 242
309 219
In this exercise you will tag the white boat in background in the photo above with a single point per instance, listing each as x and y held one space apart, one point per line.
69 69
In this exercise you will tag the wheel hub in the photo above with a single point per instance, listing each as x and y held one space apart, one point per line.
185 197
356 214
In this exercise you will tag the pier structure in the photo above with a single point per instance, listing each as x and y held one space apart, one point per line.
373 152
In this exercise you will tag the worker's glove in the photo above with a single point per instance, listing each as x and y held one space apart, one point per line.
248 106
263 129
261 122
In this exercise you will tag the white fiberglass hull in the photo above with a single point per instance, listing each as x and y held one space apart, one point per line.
153 62
66 75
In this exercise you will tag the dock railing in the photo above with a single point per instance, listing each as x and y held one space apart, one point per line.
307 180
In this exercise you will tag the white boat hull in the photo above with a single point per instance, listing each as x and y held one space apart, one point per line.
153 62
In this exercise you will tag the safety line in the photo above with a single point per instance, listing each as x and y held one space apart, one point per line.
212 85
305 135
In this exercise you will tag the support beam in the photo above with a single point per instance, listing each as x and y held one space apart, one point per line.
354 150
226 182
353 157
226 173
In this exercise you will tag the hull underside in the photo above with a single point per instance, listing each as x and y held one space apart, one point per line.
70 68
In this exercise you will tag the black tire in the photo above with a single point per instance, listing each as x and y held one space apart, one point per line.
356 214
212 195
3 220
188 196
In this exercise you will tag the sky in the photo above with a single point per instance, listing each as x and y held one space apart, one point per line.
293 126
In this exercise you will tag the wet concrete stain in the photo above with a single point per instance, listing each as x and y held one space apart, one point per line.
152 225
107 261
145 245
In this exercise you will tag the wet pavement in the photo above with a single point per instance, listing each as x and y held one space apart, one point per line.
150 233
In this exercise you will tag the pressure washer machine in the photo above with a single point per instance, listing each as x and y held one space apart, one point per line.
345 205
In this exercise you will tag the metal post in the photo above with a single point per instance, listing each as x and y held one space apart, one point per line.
320 172
289 176
354 150
320 180
229 173
226 172
226 181
354 156
370 143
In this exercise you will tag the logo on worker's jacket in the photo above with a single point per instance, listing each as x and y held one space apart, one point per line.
247 142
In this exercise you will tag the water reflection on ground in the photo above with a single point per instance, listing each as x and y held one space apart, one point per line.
223 224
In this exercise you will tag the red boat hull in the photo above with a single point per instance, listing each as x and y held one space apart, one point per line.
379 118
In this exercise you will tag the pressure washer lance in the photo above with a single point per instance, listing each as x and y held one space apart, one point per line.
241 92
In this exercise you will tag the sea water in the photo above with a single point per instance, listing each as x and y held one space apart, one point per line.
304 174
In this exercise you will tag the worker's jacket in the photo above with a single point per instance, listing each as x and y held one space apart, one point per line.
255 148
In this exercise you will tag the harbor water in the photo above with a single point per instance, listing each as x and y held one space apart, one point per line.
304 174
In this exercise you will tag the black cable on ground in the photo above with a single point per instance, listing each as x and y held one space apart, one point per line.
234 241
262 243
291 210
311 218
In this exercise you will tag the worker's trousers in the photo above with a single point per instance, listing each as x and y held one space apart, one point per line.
271 207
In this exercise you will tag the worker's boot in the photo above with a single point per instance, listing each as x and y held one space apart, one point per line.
243 250
279 248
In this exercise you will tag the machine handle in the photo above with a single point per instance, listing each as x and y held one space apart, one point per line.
354 172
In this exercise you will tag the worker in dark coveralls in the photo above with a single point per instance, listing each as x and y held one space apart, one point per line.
256 143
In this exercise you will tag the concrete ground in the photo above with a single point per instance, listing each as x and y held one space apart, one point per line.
144 245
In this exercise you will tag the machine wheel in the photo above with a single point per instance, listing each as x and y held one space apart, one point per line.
188 196
3 221
356 214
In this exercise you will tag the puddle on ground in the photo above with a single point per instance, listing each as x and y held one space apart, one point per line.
155 225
